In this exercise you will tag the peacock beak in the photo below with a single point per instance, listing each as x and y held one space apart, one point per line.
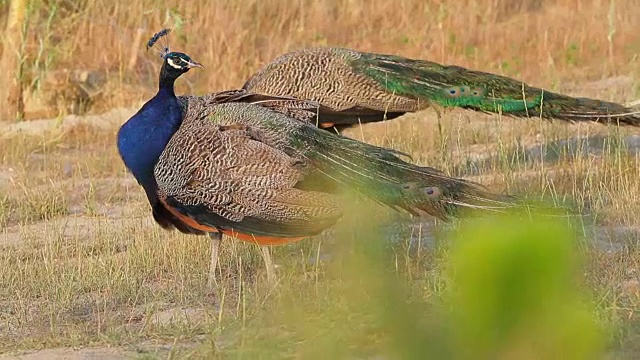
192 63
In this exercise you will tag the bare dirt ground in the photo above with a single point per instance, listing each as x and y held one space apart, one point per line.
98 353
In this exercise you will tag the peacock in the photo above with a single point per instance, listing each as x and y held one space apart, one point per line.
356 87
253 167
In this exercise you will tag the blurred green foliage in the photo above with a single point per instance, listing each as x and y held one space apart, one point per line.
514 292
508 288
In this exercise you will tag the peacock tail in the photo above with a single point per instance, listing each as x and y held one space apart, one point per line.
335 163
354 87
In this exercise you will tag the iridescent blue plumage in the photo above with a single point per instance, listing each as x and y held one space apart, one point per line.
144 136
142 139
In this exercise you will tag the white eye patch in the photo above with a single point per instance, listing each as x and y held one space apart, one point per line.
173 64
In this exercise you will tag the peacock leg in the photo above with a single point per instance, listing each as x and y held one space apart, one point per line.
216 238
268 263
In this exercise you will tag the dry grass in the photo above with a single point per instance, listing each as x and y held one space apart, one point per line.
545 43
82 264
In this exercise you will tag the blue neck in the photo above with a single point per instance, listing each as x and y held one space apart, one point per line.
143 138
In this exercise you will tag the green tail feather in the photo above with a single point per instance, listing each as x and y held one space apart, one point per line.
381 175
453 86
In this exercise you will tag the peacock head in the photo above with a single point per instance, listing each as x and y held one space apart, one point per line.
179 63
175 63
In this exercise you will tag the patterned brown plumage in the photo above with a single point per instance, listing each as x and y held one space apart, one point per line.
238 180
239 165
355 87
325 75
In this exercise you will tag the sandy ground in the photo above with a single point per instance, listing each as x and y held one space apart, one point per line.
97 353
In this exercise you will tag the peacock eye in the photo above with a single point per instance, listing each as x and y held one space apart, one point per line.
432 192
455 91
477 92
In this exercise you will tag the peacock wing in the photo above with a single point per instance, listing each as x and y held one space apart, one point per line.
222 177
